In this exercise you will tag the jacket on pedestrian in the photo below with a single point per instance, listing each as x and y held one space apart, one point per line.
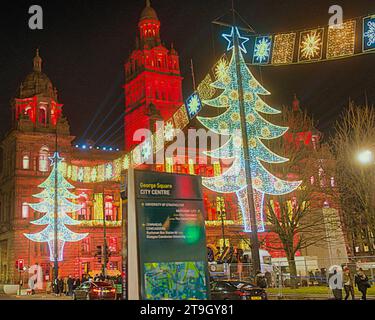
348 279
361 281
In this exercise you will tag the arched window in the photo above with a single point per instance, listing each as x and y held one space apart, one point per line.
25 210
83 214
85 246
43 159
43 116
26 162
109 212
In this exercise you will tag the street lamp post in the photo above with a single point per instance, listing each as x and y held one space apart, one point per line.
255 257
221 213
56 214
366 158
104 250
124 204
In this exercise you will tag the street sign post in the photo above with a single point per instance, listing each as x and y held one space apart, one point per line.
166 237
124 206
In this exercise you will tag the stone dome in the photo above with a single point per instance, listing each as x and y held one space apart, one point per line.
149 13
37 82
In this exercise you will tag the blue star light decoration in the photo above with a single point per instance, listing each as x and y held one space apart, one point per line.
369 33
262 50
235 33
56 159
193 105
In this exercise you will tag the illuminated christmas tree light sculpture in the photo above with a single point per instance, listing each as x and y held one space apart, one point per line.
47 206
228 123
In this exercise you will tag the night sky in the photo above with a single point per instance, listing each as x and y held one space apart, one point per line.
85 43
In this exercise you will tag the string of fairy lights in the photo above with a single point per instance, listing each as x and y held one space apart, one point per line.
316 44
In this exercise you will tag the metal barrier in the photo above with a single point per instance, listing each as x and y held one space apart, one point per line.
310 271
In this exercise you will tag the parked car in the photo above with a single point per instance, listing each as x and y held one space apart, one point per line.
236 290
99 290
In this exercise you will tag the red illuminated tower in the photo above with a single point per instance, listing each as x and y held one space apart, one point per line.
153 79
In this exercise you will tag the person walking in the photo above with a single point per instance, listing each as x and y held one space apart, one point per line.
56 286
362 283
70 283
348 284
76 283
60 285
48 287
66 286
84 278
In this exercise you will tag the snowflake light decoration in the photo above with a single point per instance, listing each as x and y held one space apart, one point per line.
193 105
221 69
169 131
125 162
80 174
146 150
262 50
311 45
369 33
94 175
108 171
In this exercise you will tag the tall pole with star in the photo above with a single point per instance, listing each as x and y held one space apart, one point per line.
239 44
55 204
55 219
245 126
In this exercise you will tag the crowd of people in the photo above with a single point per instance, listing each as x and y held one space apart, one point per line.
344 280
66 286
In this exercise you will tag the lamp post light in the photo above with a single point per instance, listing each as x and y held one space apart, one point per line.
365 157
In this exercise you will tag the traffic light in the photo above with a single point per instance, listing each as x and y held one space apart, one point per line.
99 253
20 265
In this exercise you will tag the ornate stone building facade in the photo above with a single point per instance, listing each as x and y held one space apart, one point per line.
152 91
39 128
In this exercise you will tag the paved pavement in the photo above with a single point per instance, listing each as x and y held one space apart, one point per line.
47 297
308 297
